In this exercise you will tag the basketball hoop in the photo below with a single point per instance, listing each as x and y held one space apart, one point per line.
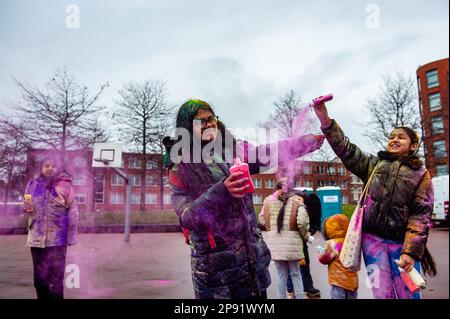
109 156
105 161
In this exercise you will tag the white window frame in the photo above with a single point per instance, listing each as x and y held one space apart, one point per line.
166 181
167 199
307 170
135 198
152 164
133 179
269 183
149 196
257 199
332 170
79 180
441 149
437 97
155 179
435 74
356 195
437 129
114 196
117 178
80 195
132 163
257 182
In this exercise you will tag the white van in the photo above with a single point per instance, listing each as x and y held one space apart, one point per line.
440 210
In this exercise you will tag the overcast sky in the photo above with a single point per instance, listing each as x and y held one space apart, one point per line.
240 56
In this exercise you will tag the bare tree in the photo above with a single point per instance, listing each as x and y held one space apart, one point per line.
395 105
140 108
13 148
90 132
60 114
157 134
287 108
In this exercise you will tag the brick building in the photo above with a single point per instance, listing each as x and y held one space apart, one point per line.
102 190
432 83
99 189
313 174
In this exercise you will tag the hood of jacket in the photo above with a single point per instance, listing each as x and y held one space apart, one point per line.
335 226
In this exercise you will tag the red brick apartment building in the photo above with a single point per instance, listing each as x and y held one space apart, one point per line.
102 190
432 83
313 174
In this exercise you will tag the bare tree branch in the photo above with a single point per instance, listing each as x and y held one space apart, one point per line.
395 105
140 117
60 115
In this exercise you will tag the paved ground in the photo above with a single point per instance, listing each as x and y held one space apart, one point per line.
156 265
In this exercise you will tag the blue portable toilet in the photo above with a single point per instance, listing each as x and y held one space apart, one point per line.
331 200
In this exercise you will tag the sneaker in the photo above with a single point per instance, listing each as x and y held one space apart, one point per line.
313 292
290 295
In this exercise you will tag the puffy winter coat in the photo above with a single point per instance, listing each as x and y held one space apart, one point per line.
229 256
54 219
335 229
288 244
400 198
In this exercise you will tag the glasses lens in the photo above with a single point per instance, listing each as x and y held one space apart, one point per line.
212 120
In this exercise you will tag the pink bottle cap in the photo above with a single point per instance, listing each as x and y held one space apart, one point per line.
321 99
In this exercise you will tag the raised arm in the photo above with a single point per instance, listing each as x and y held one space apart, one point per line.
353 158
286 150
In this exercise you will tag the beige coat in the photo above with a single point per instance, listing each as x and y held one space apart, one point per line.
288 244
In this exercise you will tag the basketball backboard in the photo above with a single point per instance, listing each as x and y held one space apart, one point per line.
107 155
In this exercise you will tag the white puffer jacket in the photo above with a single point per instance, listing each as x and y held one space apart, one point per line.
288 244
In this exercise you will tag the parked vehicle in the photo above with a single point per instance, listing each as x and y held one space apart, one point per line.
440 211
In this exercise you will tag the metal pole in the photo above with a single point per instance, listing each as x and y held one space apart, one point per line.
127 202
127 211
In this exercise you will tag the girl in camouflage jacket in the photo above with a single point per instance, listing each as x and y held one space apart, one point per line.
398 206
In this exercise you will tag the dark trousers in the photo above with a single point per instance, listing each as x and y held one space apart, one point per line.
305 271
49 267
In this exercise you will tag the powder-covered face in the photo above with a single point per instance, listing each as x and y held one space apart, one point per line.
400 143
205 125
49 169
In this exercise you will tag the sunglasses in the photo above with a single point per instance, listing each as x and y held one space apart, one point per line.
204 122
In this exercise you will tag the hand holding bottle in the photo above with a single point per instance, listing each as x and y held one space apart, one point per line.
28 203
320 109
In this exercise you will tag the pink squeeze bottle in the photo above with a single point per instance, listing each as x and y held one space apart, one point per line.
412 279
243 167
321 99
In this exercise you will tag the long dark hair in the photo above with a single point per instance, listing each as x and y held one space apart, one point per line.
428 265
314 210
283 197
197 174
